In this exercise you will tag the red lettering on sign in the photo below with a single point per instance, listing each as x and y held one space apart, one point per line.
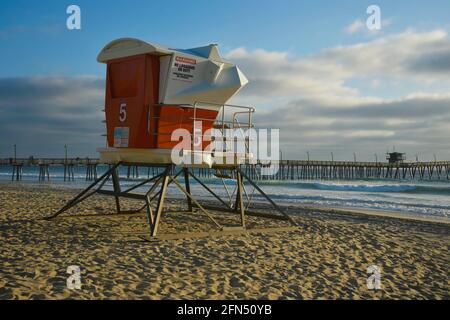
185 60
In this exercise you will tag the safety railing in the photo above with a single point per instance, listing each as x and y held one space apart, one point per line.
234 117
230 122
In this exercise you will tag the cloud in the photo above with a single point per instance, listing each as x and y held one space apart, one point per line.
395 55
432 62
41 114
278 74
317 101
355 26
318 105
421 58
360 26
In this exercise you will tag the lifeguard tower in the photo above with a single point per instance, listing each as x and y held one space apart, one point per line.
153 91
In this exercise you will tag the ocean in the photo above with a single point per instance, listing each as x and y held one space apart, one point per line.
424 198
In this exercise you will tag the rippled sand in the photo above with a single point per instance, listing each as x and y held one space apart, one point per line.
326 258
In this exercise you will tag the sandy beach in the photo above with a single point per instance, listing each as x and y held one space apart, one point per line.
325 258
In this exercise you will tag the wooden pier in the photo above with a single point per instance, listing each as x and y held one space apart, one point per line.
287 169
348 170
44 165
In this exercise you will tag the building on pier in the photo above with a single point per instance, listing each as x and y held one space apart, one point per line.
395 157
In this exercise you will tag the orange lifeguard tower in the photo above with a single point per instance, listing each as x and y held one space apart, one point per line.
151 92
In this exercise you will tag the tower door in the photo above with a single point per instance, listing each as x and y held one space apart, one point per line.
132 89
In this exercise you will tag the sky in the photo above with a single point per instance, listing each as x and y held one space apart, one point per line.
316 71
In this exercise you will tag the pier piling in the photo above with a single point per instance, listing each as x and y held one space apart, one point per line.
287 169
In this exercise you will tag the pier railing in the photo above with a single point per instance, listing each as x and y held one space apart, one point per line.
287 169
333 170
49 161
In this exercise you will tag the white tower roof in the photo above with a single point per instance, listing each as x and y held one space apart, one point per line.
187 76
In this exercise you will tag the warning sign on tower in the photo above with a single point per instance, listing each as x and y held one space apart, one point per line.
184 68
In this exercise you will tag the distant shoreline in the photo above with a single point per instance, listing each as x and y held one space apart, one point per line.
378 213
290 206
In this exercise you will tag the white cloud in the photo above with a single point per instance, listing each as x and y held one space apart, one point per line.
315 100
422 58
356 26
394 55
317 103
360 26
